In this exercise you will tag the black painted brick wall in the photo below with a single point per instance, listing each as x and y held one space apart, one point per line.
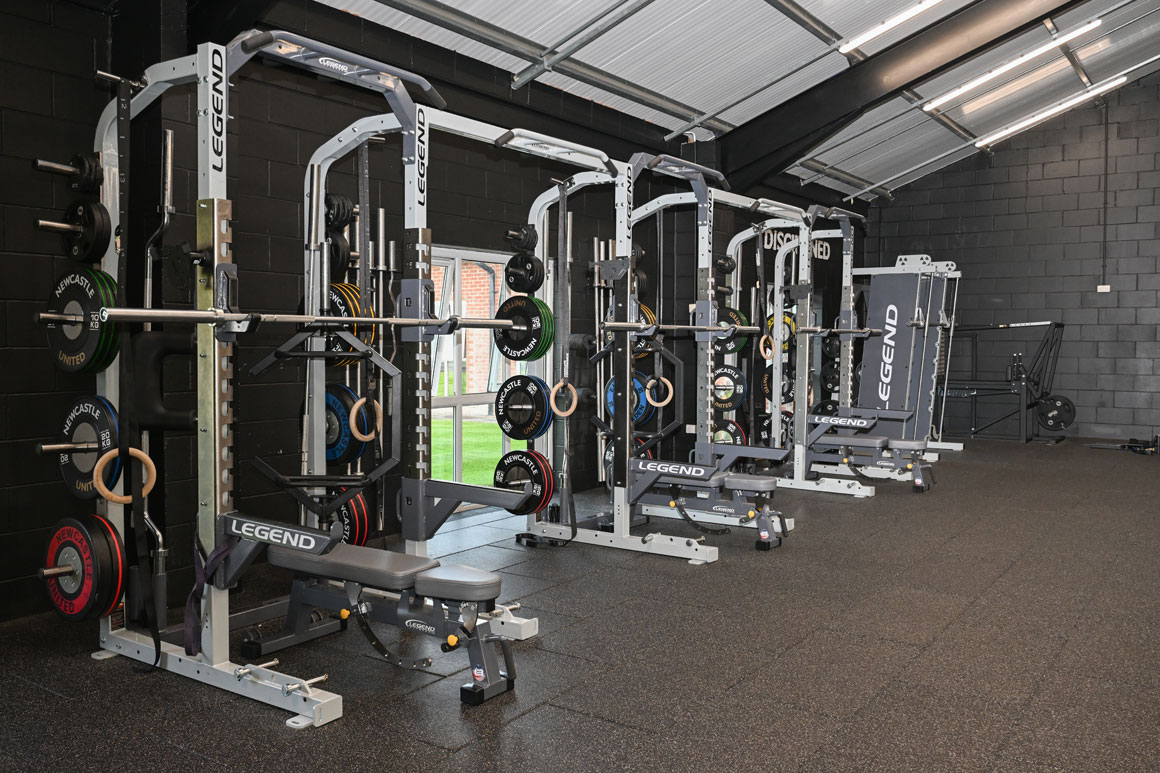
1026 228
49 106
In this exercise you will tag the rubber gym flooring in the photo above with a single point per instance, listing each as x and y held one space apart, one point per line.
1008 620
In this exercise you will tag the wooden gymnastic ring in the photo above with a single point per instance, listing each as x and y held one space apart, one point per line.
766 354
378 420
648 391
99 475
552 399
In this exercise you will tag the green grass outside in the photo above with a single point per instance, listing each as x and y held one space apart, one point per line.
482 448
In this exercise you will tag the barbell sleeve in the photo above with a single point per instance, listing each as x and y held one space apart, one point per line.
64 448
56 571
59 227
56 168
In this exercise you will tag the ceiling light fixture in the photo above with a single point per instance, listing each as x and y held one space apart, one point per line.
1056 109
865 37
1011 65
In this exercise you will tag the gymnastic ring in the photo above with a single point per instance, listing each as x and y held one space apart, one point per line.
648 391
766 353
99 475
378 420
552 399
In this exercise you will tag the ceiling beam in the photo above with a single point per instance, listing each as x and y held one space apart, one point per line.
773 141
500 39
830 36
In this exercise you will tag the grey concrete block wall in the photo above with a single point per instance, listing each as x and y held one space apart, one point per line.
1027 227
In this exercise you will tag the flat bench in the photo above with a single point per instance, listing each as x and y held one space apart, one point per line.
390 571
869 442
733 481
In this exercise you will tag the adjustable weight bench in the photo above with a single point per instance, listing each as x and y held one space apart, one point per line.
771 524
453 603
849 440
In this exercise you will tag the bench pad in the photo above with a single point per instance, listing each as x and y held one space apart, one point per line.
382 569
452 582
908 445
853 441
737 481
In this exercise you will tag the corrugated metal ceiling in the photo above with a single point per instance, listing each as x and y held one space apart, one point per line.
710 53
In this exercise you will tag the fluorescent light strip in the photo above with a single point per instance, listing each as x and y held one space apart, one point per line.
1067 104
1011 65
889 24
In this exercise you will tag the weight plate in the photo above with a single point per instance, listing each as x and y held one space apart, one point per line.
529 343
832 347
765 430
110 336
549 329
786 428
524 273
72 543
89 420
339 254
831 376
641 345
341 445
788 333
516 468
521 408
523 237
1055 412
609 453
735 342
730 432
642 409
729 388
114 585
339 210
355 519
825 408
551 487
83 346
88 245
340 306
366 333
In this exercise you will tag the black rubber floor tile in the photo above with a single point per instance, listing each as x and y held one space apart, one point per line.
548 621
447 543
1009 603
906 615
1002 664
829 673
435 715
948 570
833 758
489 558
516 586
1089 725
567 563
940 729
551 738
642 625
590 594
1115 648
778 737
654 694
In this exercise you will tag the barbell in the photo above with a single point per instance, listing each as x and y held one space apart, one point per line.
82 306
